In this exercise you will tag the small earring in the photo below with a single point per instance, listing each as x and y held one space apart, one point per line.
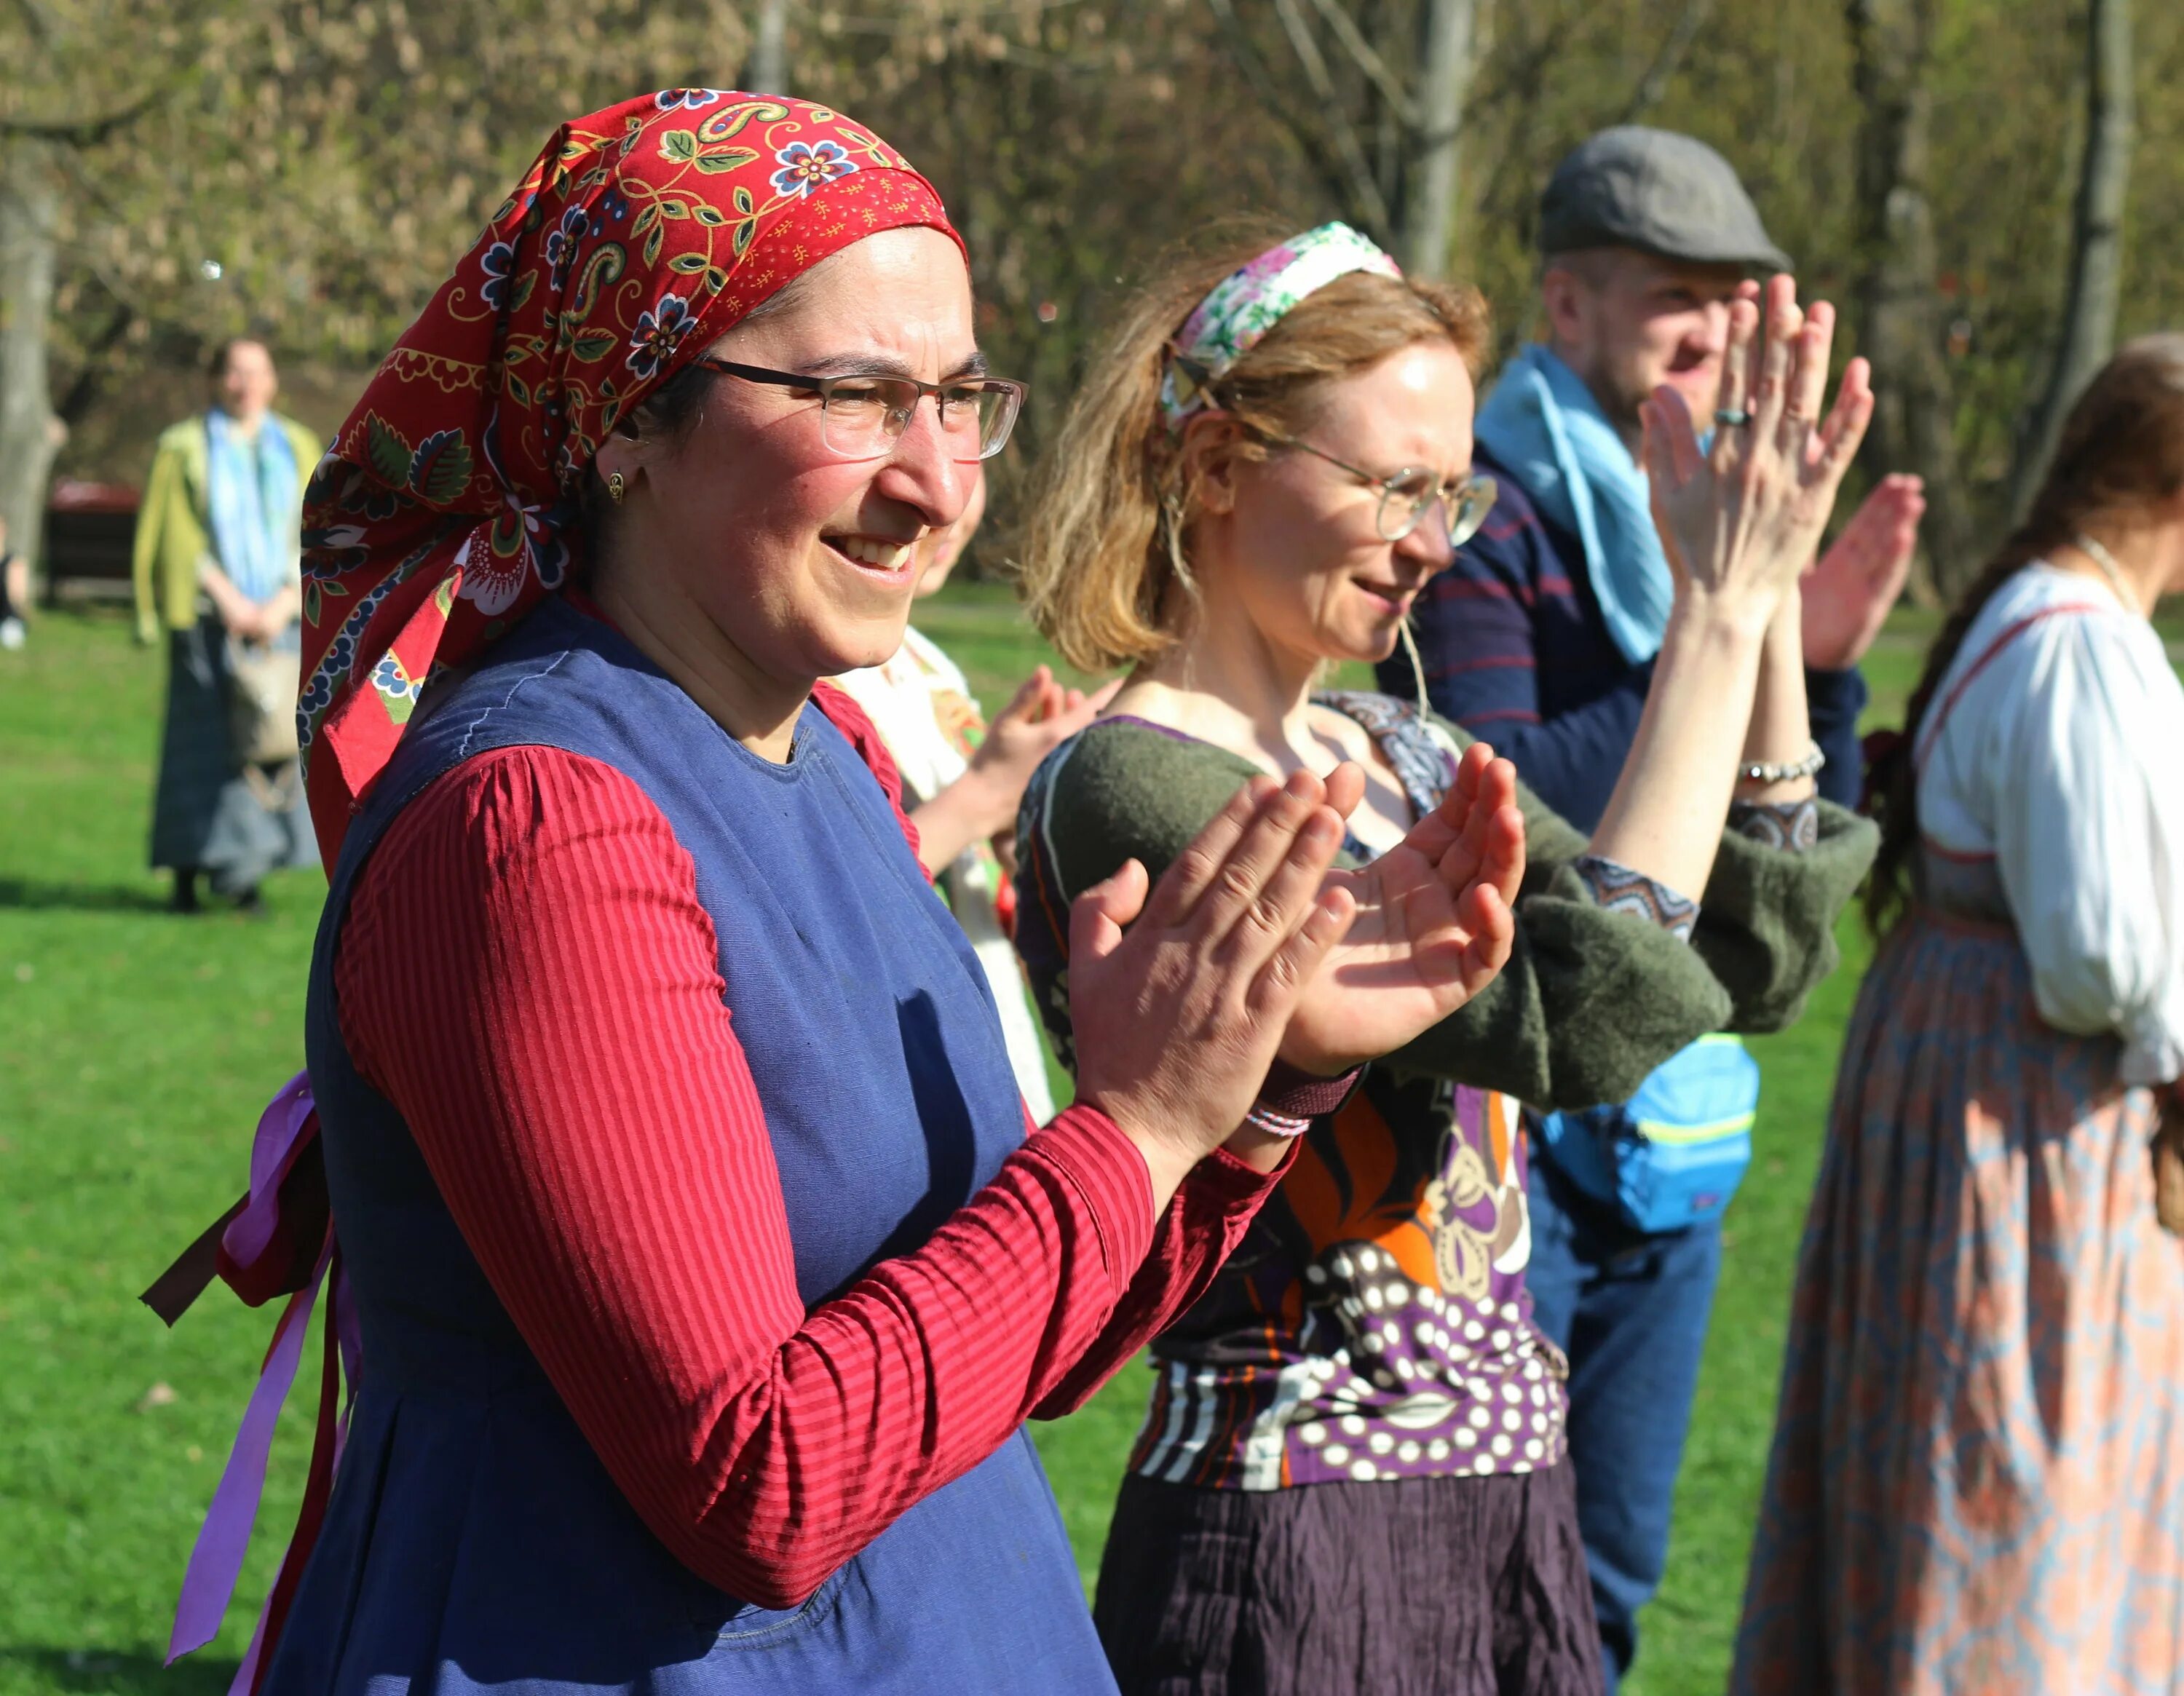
617 487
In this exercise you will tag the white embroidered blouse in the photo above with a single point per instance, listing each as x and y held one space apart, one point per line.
2055 751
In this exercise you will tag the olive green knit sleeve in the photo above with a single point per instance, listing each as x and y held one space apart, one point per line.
1767 925
1130 791
1591 1000
1767 920
1589 1003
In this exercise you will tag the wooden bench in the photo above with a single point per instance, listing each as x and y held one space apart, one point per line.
90 530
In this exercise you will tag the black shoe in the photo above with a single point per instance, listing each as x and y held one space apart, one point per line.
250 902
186 891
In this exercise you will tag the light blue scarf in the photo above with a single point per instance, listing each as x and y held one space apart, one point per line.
251 489
1542 423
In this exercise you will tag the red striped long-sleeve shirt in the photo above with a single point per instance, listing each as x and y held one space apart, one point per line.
527 973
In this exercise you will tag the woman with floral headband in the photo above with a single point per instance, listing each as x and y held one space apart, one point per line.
690 1247
1351 1475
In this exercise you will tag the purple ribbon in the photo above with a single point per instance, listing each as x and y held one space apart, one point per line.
216 1561
273 1150
342 1308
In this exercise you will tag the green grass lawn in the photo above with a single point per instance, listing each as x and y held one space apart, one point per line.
136 1047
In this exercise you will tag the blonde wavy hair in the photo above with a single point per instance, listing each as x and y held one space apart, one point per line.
1113 500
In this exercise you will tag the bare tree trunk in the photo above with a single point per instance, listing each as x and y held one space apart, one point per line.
1447 30
768 72
1914 423
2089 314
30 203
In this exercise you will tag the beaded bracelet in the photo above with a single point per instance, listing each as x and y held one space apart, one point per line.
1282 1125
1760 772
1291 1098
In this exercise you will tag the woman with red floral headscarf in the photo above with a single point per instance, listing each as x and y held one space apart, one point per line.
701 1262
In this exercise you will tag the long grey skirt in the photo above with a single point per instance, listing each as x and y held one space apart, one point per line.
207 812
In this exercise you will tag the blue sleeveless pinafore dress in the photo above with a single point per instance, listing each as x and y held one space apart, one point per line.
474 1541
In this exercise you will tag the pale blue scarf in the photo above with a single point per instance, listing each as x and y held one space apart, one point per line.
251 489
1542 423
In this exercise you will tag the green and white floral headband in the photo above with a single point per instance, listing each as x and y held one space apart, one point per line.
1240 309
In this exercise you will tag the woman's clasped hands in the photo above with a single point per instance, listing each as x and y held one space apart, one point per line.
1178 1015
1251 945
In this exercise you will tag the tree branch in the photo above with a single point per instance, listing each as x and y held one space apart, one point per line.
85 387
1667 62
2086 333
41 21
1361 51
1270 96
854 23
83 132
1364 186
766 70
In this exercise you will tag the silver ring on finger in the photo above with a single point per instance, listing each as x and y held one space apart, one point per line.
1731 415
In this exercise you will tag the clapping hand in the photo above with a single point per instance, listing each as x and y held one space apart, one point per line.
982 804
1179 994
1433 924
1849 591
1042 716
1742 518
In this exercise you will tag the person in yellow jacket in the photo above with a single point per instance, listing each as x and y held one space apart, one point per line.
217 551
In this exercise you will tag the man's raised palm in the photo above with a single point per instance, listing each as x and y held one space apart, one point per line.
1851 587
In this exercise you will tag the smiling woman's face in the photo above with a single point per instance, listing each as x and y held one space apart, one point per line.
1311 567
806 562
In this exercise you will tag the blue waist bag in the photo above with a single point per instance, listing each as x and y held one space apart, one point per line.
1675 1152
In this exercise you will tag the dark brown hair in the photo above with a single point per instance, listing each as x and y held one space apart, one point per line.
224 350
2121 450
670 410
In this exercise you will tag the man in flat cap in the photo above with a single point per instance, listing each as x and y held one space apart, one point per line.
1541 638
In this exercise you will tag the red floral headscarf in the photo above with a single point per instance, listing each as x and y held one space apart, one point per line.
449 503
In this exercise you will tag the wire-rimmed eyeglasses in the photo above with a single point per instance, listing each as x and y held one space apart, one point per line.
1407 495
863 414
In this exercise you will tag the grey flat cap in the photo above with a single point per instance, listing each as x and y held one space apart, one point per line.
1654 190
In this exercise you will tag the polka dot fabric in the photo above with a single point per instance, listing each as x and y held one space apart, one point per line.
1412 1353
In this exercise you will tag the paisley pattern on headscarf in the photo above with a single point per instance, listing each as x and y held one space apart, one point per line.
449 503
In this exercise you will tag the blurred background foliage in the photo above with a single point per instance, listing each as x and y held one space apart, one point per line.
308 171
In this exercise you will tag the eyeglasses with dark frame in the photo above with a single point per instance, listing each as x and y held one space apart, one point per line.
862 415
1406 495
